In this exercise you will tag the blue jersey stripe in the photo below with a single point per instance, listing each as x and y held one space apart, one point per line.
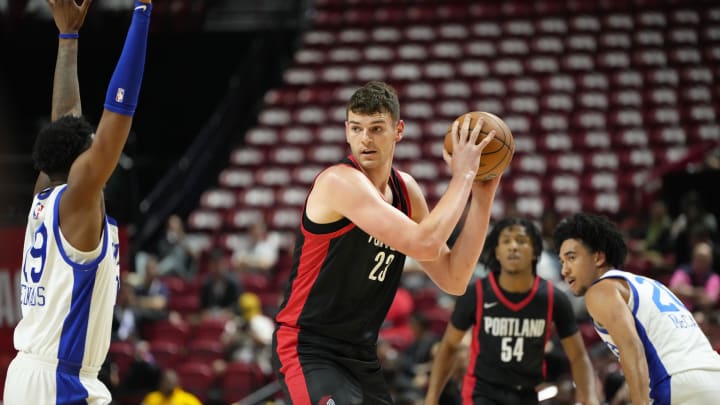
74 333
61 248
659 378
70 390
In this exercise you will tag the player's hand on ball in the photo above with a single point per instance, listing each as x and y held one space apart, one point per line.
466 149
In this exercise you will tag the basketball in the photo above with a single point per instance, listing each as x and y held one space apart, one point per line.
498 153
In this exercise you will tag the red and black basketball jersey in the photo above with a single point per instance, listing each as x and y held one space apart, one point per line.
510 332
343 280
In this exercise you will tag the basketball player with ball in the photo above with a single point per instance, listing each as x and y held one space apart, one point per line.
362 217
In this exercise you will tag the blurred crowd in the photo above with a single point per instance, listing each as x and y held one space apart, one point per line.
199 323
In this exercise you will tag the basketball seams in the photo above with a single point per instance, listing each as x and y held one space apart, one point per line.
505 145
505 142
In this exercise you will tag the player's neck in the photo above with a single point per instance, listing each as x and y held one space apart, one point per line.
379 177
516 282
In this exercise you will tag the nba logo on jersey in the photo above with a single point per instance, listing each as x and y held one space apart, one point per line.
120 95
326 400
38 210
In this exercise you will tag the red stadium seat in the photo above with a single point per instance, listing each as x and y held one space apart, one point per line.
167 353
175 332
287 155
205 350
567 204
240 380
217 199
236 178
564 183
122 354
203 219
209 329
197 378
184 304
602 160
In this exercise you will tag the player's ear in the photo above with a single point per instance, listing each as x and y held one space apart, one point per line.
399 129
600 259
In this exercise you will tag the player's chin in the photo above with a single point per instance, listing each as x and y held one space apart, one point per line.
578 291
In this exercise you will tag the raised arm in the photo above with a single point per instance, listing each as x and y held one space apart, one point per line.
349 193
607 304
453 269
81 207
69 17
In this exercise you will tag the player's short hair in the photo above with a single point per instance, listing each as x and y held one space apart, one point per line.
491 242
59 143
597 233
375 97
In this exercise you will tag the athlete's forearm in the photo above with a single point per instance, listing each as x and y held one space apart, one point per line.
66 88
440 373
584 377
469 244
635 369
443 218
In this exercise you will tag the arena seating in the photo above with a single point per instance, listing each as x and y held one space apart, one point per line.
598 95
595 94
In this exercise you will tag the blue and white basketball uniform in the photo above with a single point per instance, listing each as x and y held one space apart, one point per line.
67 300
684 368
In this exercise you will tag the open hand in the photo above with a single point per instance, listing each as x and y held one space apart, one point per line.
467 150
68 15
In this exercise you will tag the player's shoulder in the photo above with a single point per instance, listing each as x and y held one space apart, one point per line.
410 183
337 173
606 287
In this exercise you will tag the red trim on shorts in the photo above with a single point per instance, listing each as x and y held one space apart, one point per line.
470 380
513 306
291 369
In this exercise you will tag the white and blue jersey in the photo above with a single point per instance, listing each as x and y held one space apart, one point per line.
672 340
67 300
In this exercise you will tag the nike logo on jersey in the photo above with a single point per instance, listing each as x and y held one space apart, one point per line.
143 8
487 305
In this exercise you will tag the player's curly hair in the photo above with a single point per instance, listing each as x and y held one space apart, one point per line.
491 242
59 143
597 233
375 97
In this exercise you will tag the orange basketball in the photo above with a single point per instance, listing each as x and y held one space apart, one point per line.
498 153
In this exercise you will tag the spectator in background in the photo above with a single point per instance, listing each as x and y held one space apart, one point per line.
414 362
220 290
170 393
249 336
658 232
143 374
693 224
174 255
696 283
261 253
125 318
152 294
548 266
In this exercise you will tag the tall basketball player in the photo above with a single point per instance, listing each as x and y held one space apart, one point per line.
665 356
361 217
70 261
511 313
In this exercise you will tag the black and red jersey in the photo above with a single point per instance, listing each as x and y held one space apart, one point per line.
343 280
509 332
